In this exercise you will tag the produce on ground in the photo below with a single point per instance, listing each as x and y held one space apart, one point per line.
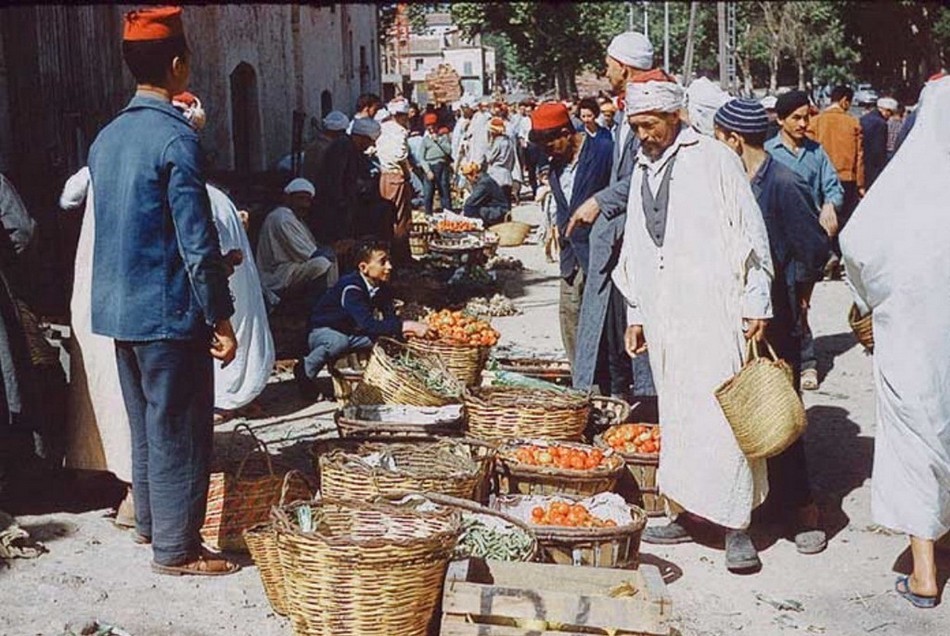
489 537
503 262
461 328
556 456
498 305
560 513
451 226
472 276
634 438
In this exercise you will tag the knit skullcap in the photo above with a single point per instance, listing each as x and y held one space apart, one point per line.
743 116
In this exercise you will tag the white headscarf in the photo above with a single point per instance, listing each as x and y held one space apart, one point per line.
653 97
632 49
703 99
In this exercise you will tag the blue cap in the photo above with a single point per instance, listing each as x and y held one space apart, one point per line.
743 116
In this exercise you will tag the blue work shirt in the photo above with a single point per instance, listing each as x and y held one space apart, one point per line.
157 272
812 163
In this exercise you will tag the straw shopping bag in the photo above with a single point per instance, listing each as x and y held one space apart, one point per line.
239 500
761 405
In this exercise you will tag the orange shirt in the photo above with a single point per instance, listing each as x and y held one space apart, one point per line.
840 135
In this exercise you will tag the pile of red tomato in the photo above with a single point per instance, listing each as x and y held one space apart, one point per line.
634 438
556 456
559 513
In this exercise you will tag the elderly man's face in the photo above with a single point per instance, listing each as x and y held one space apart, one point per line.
616 74
299 202
796 124
656 131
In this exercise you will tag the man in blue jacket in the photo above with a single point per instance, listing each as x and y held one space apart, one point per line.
796 240
580 166
160 290
352 314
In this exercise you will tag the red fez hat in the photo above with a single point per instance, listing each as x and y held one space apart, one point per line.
158 23
185 98
655 75
430 119
550 116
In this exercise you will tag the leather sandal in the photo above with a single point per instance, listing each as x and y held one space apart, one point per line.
204 565
902 587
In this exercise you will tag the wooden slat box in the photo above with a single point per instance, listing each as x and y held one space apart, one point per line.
495 598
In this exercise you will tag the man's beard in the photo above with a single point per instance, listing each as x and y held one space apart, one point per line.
652 150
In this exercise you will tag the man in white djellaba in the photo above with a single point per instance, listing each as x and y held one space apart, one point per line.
695 269
900 271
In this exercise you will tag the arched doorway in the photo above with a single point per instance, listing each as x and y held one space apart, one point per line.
245 119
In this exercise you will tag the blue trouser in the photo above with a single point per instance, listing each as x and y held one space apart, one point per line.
643 376
168 388
440 180
325 344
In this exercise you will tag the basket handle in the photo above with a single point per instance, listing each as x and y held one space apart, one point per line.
753 350
285 487
260 446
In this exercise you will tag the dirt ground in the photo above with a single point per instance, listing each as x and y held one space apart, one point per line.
94 571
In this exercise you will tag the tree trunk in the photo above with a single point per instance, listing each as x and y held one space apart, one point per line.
801 72
572 81
773 72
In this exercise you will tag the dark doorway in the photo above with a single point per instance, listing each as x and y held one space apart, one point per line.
245 119
326 103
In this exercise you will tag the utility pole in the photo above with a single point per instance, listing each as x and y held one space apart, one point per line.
646 20
723 47
690 33
666 36
630 16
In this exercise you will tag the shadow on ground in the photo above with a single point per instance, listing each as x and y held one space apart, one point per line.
827 348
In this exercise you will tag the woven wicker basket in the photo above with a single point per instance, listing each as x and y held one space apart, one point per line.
498 413
511 233
761 405
387 381
419 235
372 569
391 420
466 362
444 466
347 373
469 508
862 326
642 468
481 452
518 478
617 547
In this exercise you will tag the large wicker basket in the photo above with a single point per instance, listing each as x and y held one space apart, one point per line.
642 469
761 405
373 569
387 379
481 452
862 326
519 478
617 547
498 413
395 420
466 362
443 466
347 373
419 235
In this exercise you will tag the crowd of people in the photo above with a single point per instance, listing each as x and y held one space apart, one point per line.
687 226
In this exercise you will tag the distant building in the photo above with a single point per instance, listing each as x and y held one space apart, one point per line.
62 79
254 66
408 58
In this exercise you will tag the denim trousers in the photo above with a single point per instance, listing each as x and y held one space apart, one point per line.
325 344
168 389
440 172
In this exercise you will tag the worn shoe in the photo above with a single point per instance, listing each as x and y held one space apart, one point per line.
308 390
902 587
125 513
205 565
809 379
670 534
811 541
741 555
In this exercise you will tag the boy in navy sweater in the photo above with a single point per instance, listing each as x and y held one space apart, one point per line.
352 314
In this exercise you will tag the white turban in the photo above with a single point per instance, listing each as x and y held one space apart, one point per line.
768 102
703 99
632 49
336 121
366 127
888 103
300 185
398 106
653 97
382 115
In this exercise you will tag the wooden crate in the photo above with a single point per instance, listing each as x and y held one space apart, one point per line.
486 598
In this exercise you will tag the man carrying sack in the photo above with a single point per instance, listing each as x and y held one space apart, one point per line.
696 272
160 290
